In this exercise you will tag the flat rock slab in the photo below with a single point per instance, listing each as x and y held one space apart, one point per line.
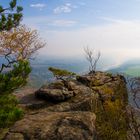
27 99
54 126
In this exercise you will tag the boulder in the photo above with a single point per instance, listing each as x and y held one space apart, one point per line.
54 95
96 79
61 91
69 107
54 126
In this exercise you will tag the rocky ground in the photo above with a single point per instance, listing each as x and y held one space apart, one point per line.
73 109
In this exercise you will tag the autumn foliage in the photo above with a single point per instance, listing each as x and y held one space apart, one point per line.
17 46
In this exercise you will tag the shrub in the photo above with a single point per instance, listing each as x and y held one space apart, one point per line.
9 112
111 122
61 74
15 78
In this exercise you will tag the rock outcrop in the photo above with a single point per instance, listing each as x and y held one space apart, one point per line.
54 126
73 109
134 123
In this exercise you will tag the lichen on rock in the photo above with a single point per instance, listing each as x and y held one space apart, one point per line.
89 107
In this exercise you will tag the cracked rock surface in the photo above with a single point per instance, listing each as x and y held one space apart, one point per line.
65 110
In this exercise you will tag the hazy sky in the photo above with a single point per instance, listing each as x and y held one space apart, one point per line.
111 26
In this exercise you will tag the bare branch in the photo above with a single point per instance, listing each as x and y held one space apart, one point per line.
18 44
92 59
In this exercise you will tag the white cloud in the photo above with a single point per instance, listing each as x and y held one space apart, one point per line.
66 8
117 41
62 9
38 5
112 20
63 23
44 22
82 3
36 22
68 4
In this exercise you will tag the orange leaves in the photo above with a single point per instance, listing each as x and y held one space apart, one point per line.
21 42
18 44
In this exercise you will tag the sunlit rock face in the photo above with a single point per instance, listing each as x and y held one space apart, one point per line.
55 126
134 123
89 107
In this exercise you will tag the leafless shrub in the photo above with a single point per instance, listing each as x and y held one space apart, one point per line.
92 59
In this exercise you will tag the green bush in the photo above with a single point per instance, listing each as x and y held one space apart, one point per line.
61 73
9 112
15 78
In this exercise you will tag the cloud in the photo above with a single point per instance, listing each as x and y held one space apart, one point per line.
46 22
66 8
117 41
68 4
63 23
38 5
82 3
62 9
113 20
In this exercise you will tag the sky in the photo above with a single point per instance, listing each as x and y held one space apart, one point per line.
109 26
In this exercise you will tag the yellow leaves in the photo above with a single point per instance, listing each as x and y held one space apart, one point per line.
113 106
22 42
107 90
111 122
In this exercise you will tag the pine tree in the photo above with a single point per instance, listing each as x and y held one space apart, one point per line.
17 44
11 16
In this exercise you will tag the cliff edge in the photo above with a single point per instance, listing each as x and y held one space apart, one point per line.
89 107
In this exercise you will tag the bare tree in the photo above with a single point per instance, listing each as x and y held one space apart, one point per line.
92 59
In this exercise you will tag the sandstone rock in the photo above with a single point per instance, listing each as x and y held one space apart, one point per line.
81 102
55 95
134 123
55 126
97 79
59 84
58 92
15 136
55 92
27 99
68 108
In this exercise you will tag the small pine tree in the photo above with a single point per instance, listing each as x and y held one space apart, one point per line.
61 74
15 78
11 16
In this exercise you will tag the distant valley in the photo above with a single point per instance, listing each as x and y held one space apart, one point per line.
40 74
129 68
